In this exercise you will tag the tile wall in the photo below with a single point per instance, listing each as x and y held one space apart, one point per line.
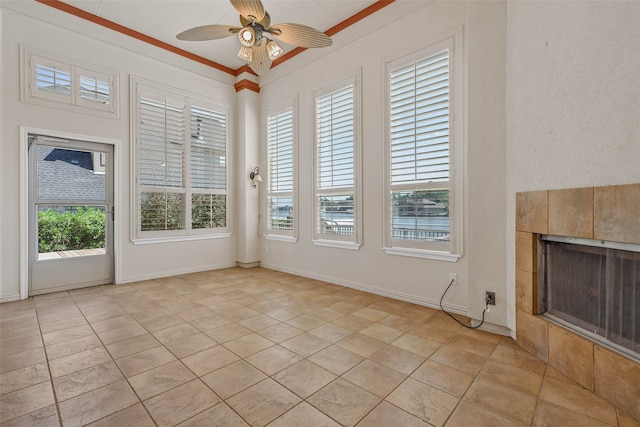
609 213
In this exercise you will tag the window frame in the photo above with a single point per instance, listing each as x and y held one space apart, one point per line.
187 232
30 93
285 235
354 241
442 251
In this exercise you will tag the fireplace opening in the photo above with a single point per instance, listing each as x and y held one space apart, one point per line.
593 288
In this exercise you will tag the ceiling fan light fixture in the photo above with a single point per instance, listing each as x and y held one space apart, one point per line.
273 49
246 54
247 36
258 50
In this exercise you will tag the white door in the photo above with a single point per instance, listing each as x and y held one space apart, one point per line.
71 214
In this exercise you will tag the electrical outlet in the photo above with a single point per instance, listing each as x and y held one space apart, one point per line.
490 298
453 277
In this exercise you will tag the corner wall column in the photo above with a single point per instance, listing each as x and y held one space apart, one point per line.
247 157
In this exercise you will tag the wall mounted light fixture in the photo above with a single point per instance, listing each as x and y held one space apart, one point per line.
255 176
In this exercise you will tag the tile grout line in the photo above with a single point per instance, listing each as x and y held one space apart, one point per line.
538 396
475 378
46 355
118 366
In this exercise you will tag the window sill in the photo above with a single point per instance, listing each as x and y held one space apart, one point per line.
337 244
279 238
156 240
421 253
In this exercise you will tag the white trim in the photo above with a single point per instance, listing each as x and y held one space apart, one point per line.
354 241
24 197
138 87
181 238
175 272
337 244
453 40
275 234
74 104
281 238
426 302
2 146
421 253
9 298
400 296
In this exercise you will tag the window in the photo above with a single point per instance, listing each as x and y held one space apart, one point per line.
181 157
93 88
421 202
62 81
280 169
336 197
52 81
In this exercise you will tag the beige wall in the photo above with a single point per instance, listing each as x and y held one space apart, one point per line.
573 100
361 48
404 27
552 102
136 262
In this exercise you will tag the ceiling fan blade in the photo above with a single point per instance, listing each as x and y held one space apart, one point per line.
300 35
208 32
266 21
248 8
260 62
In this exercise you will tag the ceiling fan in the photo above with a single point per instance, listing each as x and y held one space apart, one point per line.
258 50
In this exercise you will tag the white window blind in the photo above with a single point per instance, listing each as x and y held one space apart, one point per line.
335 144
280 157
419 151
208 149
161 146
94 89
420 121
51 80
335 133
208 167
160 163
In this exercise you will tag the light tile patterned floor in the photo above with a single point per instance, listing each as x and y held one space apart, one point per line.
239 347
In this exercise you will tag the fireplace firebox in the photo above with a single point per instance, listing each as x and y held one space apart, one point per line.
593 288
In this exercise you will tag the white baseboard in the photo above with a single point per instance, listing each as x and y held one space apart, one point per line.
9 298
177 272
426 302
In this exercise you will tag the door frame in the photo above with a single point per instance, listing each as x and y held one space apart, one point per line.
25 174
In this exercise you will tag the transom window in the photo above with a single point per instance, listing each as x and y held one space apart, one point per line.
62 81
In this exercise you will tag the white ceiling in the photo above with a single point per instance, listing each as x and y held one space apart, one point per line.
163 19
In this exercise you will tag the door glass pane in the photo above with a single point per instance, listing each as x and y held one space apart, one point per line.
70 175
70 231
71 202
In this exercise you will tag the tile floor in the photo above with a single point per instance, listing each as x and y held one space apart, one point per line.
239 347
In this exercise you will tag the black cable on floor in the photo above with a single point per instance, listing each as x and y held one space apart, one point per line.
452 316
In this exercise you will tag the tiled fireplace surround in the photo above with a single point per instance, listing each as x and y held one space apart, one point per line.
609 213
